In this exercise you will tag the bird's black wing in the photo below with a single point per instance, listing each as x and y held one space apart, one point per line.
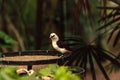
62 45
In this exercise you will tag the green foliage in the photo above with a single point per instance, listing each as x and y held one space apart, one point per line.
66 75
49 70
59 73
0 1
6 40
8 74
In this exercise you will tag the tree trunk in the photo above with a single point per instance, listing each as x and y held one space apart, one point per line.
3 13
61 27
39 24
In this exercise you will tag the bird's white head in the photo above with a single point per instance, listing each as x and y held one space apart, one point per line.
54 37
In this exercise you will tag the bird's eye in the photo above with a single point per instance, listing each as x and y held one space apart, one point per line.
53 35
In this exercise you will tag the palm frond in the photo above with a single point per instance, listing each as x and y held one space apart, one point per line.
110 15
111 67
110 36
100 66
117 38
92 66
107 56
90 54
116 1
111 21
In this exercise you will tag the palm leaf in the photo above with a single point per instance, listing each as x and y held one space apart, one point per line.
100 66
109 23
111 67
6 40
111 19
117 38
85 64
110 36
84 54
108 57
71 59
110 15
79 59
116 1
92 66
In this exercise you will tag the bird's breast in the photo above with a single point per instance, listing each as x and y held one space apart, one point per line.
56 47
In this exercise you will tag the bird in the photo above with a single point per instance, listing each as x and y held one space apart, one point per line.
59 45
